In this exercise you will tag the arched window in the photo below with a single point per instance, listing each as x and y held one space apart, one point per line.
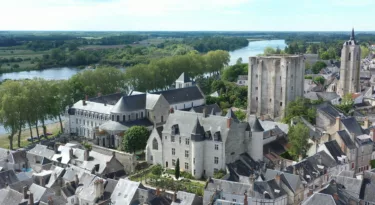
155 144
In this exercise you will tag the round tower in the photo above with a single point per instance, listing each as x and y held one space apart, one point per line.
197 148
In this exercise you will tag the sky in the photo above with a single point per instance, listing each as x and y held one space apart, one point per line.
187 15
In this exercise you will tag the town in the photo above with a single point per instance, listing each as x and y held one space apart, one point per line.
304 137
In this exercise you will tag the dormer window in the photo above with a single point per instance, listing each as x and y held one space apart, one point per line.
175 130
217 136
208 135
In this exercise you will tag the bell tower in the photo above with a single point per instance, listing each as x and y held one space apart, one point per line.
350 67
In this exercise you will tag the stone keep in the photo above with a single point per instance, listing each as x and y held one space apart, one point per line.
350 67
273 82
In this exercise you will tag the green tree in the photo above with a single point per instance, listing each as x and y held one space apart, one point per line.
318 66
241 115
135 138
269 51
239 61
346 104
365 51
231 73
300 108
298 138
319 80
177 169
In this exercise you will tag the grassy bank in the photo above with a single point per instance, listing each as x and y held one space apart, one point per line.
4 141
18 59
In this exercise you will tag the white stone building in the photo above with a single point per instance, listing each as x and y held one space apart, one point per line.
204 143
273 82
350 67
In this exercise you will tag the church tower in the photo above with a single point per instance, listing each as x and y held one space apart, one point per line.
350 67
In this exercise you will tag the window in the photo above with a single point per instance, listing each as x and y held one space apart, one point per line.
162 120
173 162
256 88
350 55
155 144
216 147
179 139
166 137
280 77
256 76
186 166
292 87
166 164
194 171
118 118
292 75
186 153
216 160
173 151
148 113
270 100
113 118
83 122
76 121
234 200
172 138
281 104
136 116
151 158
223 198
123 118
193 160
187 141
129 117
215 170
92 124
141 114
256 98
281 90
353 165
72 200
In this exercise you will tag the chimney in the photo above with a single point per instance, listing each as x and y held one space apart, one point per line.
311 192
84 102
262 117
338 127
228 122
31 198
300 157
76 180
277 179
352 136
50 201
25 196
245 199
157 191
86 155
56 147
85 97
336 196
251 181
41 181
171 110
366 123
71 153
373 134
204 112
98 188
174 197
113 154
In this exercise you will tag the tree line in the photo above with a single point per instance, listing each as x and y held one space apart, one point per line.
30 103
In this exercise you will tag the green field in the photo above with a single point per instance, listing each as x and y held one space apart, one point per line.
18 59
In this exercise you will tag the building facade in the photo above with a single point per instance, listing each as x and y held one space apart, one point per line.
350 67
273 82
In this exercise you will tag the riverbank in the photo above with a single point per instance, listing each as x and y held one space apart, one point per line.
53 128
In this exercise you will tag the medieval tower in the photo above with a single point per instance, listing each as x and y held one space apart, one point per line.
350 67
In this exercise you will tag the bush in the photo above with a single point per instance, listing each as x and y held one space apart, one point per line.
372 163
308 77
157 170
219 174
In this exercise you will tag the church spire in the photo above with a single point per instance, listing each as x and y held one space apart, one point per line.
352 37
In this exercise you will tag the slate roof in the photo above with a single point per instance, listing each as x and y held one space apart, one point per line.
24 175
4 153
319 199
227 186
7 177
18 186
183 78
334 149
151 100
230 114
327 96
290 180
277 146
270 186
363 140
344 197
180 95
244 167
352 125
18 156
210 109
130 103
124 192
329 110
255 124
38 192
93 107
69 189
110 99
42 150
212 123
184 198
352 185
344 135
10 197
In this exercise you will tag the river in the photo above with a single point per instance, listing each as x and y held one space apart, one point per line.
254 48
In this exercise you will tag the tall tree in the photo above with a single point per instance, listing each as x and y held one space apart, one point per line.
298 138
177 169
135 138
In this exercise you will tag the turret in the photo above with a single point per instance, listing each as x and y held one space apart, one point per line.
197 147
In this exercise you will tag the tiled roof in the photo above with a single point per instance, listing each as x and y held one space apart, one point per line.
130 103
180 95
344 135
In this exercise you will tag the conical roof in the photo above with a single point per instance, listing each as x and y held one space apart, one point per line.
198 128
257 127
184 78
